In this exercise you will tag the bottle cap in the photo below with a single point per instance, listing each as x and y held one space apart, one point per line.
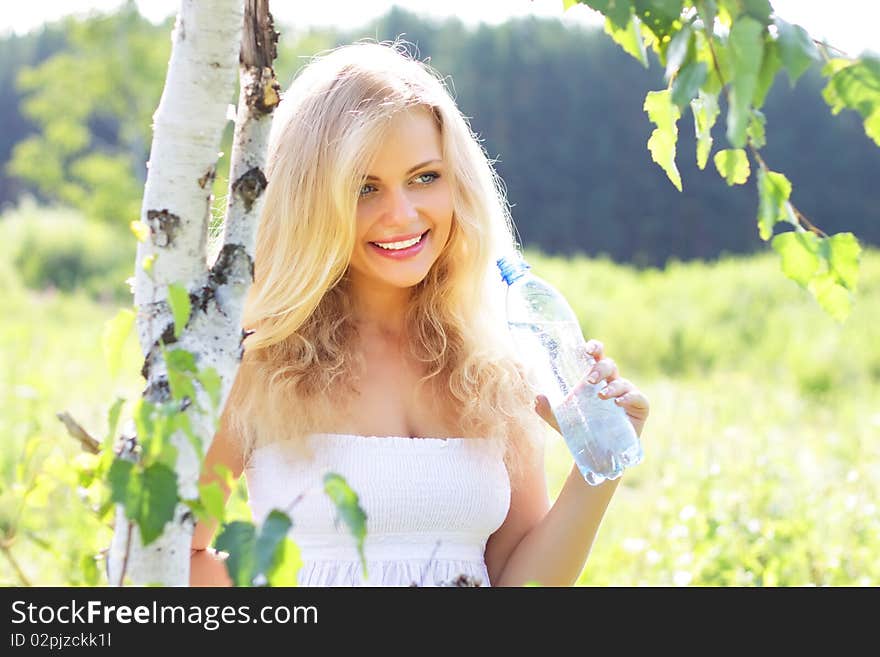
512 267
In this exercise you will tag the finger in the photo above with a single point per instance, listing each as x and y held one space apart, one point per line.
634 400
616 388
603 369
595 348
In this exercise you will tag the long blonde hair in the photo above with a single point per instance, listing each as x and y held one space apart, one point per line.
300 363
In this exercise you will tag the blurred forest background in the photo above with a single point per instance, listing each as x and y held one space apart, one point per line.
762 452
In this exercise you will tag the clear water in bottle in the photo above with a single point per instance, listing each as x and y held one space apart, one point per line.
548 337
597 431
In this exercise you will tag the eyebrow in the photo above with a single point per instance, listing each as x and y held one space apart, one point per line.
415 168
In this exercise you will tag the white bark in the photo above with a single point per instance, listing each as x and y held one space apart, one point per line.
187 129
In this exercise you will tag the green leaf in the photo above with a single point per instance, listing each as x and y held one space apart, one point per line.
688 82
661 16
756 130
272 534
843 258
286 565
158 501
116 330
117 477
113 421
677 50
760 10
629 38
144 413
213 499
708 10
774 190
149 496
181 360
796 49
733 165
835 299
90 573
800 255
705 110
746 53
664 114
618 11
239 540
226 474
210 380
349 509
770 66
856 85
178 299
181 365
182 423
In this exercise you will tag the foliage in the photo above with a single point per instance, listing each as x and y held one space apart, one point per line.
58 248
714 46
91 155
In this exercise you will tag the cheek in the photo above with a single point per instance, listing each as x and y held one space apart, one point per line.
442 207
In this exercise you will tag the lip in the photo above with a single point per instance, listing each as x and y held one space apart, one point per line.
402 254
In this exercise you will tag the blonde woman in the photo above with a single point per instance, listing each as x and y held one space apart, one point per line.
379 348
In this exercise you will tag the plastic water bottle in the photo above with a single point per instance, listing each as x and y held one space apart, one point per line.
548 337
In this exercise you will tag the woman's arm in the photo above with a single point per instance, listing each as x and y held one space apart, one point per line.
207 567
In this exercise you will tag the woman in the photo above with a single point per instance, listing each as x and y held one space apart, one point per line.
380 351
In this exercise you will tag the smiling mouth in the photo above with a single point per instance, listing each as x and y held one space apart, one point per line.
402 245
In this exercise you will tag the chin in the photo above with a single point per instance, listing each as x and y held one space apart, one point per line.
406 281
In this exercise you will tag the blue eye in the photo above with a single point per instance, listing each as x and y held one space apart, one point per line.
430 175
366 189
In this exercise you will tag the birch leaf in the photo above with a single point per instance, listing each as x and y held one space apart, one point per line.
629 38
664 114
178 299
349 509
238 538
286 564
705 111
733 165
773 192
746 53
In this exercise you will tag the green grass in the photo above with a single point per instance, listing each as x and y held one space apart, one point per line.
762 451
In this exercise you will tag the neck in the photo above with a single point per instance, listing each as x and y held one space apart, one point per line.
382 311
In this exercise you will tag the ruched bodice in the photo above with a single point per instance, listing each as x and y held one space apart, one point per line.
431 505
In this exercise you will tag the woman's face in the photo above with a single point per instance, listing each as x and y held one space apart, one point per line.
404 212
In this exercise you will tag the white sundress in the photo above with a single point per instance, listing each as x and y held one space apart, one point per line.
431 505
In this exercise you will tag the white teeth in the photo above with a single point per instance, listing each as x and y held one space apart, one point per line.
396 246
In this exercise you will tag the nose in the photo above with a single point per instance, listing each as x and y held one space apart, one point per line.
400 209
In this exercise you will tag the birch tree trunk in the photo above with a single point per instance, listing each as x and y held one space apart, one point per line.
188 126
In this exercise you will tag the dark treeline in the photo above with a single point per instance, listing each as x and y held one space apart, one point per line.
561 111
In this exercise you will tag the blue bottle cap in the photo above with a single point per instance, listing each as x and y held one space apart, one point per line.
512 267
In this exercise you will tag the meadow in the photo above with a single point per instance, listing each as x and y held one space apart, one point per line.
762 450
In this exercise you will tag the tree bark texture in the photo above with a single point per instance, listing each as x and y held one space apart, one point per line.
187 129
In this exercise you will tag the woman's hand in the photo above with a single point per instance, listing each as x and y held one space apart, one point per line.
623 391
